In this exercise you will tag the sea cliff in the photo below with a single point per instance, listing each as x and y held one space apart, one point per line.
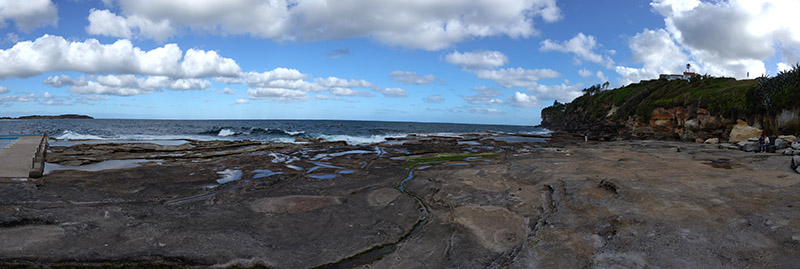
698 109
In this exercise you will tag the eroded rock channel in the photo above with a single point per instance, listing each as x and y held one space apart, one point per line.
418 202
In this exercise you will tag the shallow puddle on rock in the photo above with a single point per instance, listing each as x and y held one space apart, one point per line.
474 143
295 167
324 176
346 172
104 165
262 173
229 175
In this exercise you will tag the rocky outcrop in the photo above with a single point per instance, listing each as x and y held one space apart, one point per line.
742 132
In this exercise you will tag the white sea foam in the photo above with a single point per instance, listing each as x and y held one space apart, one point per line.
226 132
70 135
358 140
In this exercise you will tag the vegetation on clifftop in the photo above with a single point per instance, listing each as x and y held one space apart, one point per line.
726 97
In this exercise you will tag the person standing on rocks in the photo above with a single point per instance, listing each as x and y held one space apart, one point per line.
763 142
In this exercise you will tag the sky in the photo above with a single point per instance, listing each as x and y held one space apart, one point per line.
460 61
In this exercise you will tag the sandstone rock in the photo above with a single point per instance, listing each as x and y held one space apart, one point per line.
698 140
712 141
788 138
748 146
741 132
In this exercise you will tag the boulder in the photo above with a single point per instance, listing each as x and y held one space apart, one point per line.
741 132
692 125
729 146
781 144
712 141
796 145
788 152
748 146
698 140
795 161
788 138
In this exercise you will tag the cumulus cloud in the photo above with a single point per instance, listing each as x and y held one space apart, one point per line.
392 92
64 80
564 92
517 77
241 101
227 91
276 94
125 85
523 100
411 78
477 59
54 53
658 52
103 22
582 46
429 25
434 99
28 14
3 90
585 73
722 38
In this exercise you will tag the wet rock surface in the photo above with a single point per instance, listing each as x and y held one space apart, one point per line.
557 204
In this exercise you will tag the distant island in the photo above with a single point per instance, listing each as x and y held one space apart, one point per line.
41 117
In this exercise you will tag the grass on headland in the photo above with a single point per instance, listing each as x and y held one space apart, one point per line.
413 161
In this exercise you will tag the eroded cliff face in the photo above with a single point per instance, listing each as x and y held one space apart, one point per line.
676 123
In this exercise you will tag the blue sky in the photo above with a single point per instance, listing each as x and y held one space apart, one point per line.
480 61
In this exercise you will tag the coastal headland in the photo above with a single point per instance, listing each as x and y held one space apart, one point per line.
472 201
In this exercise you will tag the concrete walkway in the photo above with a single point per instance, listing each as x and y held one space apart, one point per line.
16 158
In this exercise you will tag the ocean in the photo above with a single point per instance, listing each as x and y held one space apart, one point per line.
353 132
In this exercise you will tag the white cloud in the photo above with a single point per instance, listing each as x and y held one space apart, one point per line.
54 53
564 92
276 94
227 91
341 91
28 14
241 101
393 92
585 73
103 22
602 76
97 98
126 85
411 78
64 80
488 111
485 96
19 98
477 59
659 53
582 46
517 77
343 83
722 38
434 99
3 90
523 100
429 25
